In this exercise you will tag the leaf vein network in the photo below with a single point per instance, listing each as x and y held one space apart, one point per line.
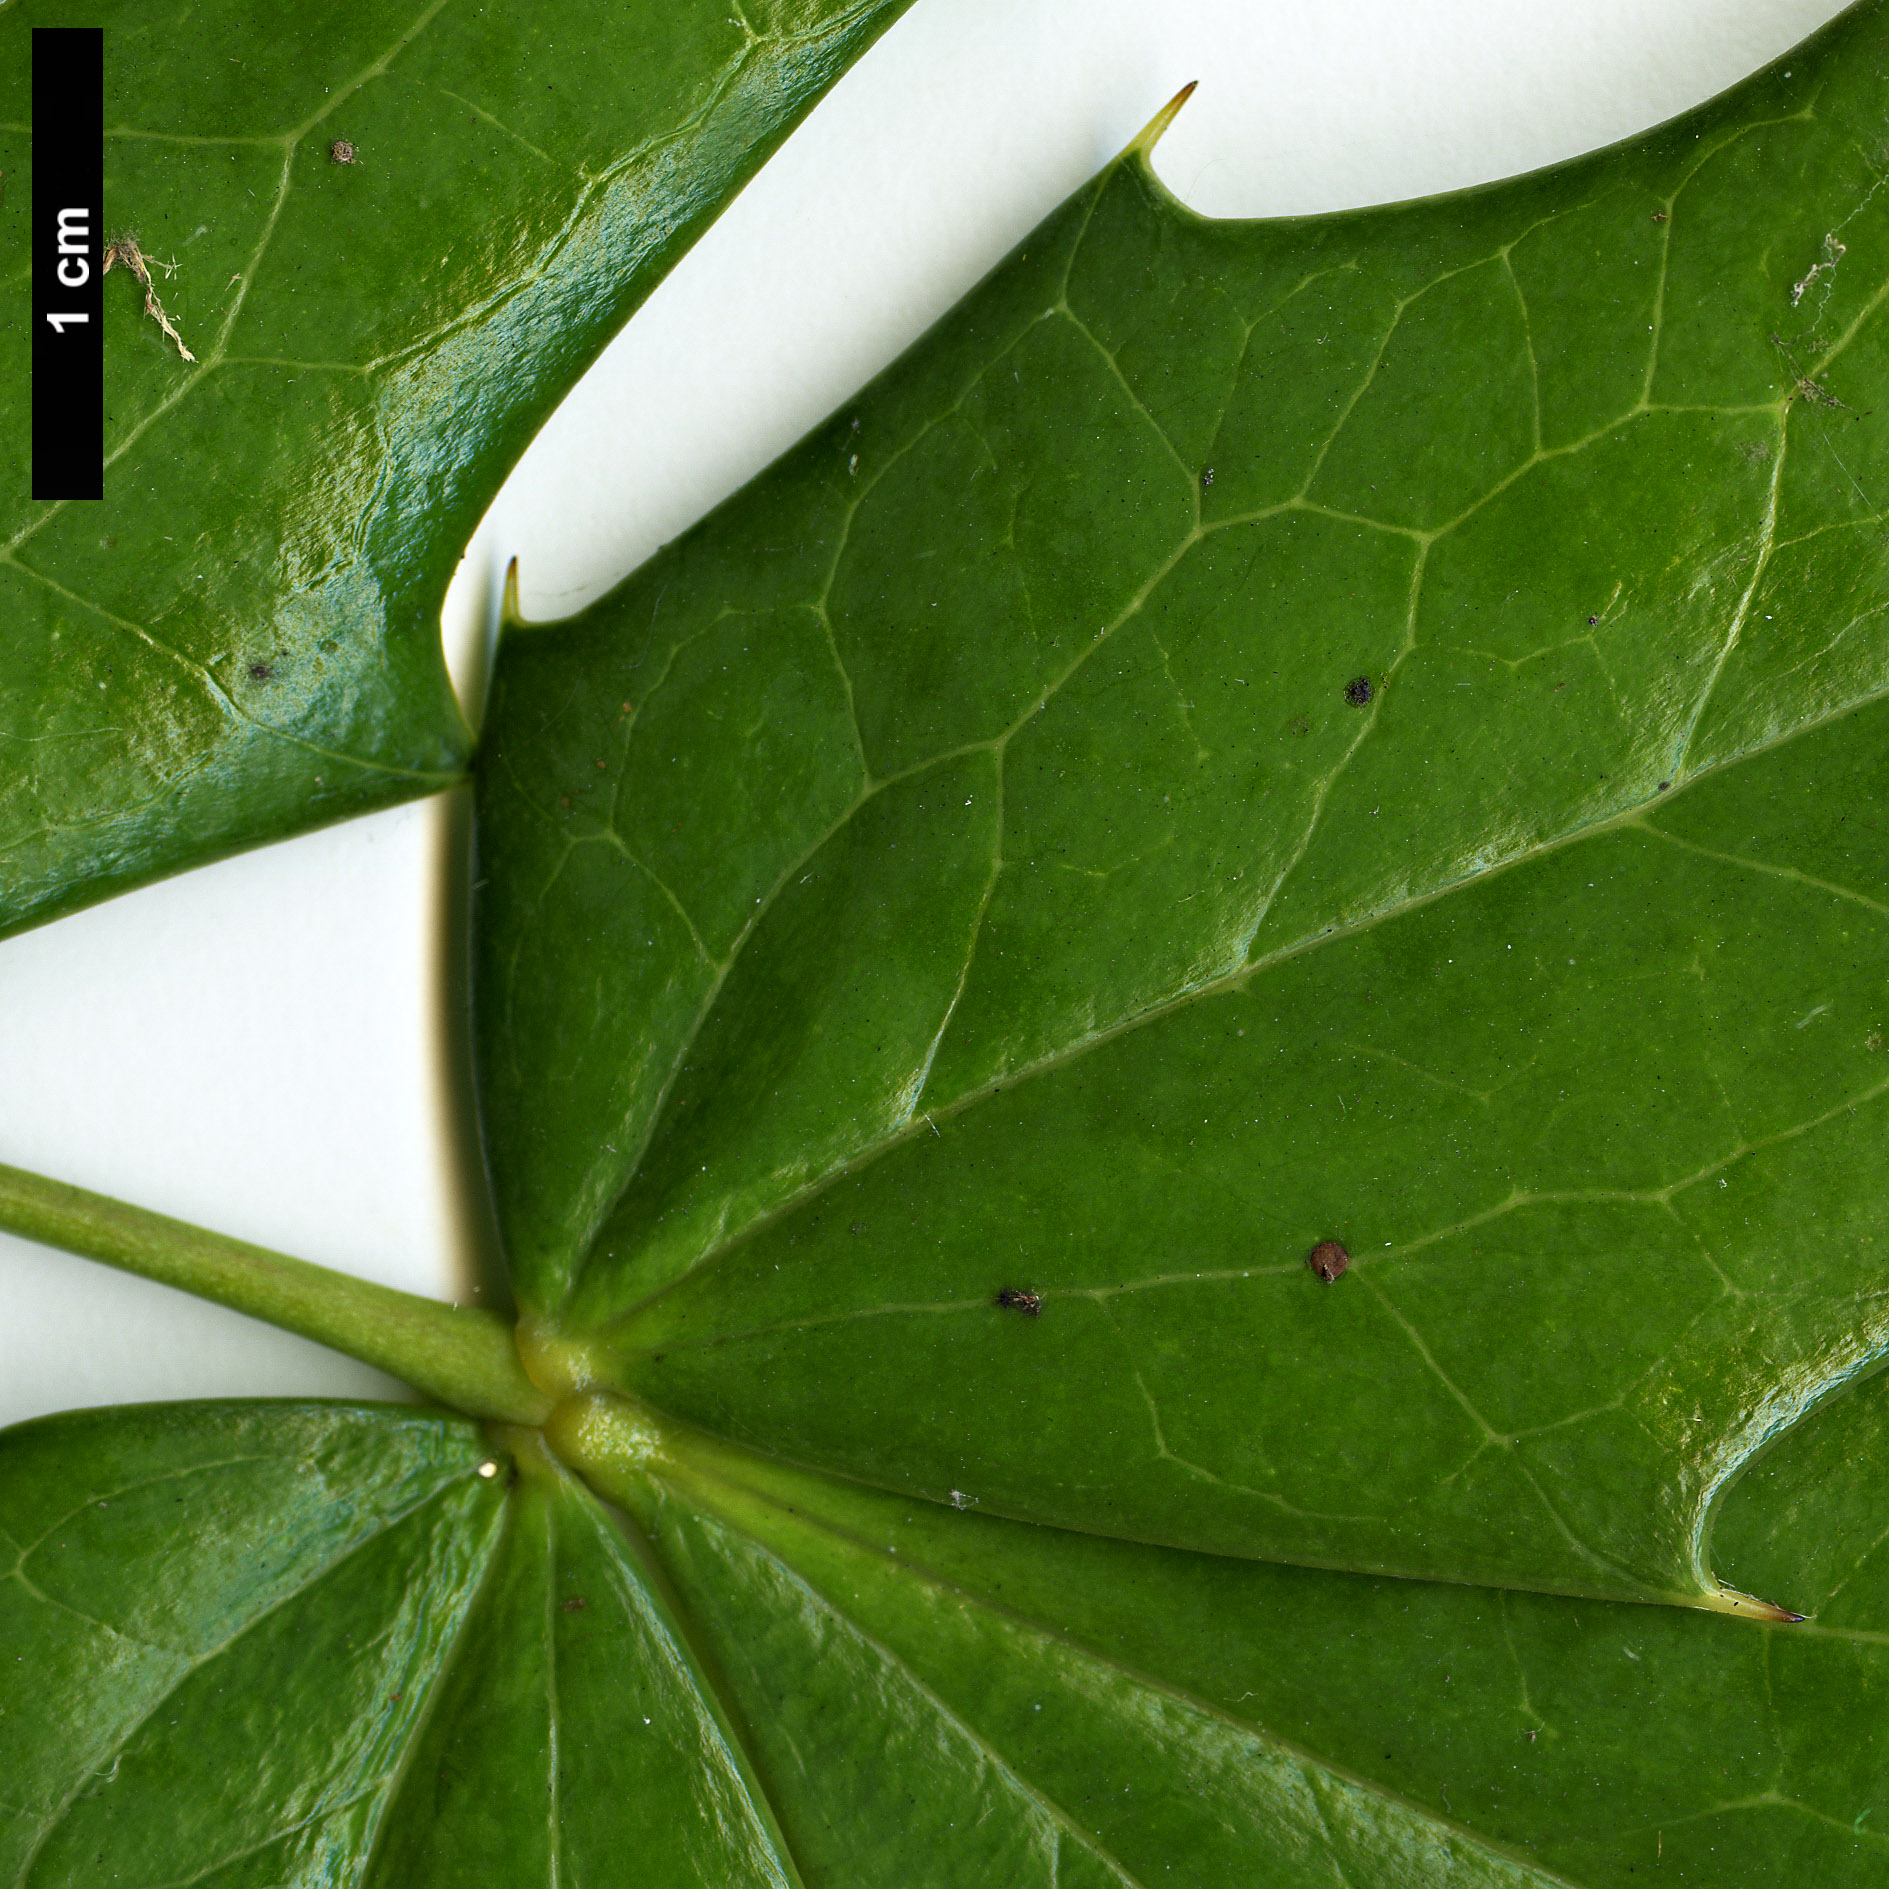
314 1580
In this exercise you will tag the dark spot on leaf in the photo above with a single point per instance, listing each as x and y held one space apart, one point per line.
1298 726
341 151
1659 216
1206 478
1664 785
1358 691
1019 1299
575 1605
1328 1259
261 672
1591 621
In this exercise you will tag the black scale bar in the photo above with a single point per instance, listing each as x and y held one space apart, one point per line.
68 262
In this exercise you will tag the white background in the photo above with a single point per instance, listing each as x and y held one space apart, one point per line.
267 1046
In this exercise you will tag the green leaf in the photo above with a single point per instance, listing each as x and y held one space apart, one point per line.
197 1585
242 641
306 1642
970 862
461 1678
953 935
1121 1712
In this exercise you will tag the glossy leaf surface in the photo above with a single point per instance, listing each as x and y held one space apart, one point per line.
309 1644
1362 728
186 1583
968 867
1136 1714
391 236
252 1643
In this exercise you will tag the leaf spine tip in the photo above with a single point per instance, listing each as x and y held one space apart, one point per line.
1728 1600
1150 134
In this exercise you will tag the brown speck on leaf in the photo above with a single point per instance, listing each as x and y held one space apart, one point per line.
1659 216
564 800
261 672
1020 1299
1328 1259
1592 621
575 1605
1664 785
342 152
601 765
1358 691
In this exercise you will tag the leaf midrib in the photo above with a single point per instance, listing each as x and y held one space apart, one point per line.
1421 538
1181 1695
504 1522
923 1119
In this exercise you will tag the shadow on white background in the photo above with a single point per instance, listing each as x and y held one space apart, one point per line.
274 1046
